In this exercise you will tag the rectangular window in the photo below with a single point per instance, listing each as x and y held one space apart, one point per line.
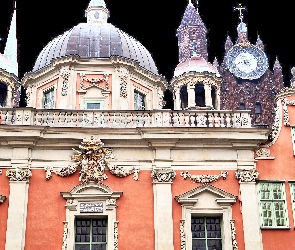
93 104
91 234
206 233
139 101
272 204
49 99
292 192
293 138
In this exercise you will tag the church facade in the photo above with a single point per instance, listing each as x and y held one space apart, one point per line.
95 161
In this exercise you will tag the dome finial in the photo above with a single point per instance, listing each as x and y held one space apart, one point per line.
241 9
97 12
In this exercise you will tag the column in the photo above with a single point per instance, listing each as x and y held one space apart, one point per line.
208 97
191 96
17 209
177 99
252 234
9 102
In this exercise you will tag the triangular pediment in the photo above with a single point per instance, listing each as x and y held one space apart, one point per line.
192 196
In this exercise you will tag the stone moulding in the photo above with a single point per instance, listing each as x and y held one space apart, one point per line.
233 235
245 176
19 174
164 175
182 235
204 179
116 235
65 236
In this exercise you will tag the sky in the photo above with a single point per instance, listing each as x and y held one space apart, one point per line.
154 24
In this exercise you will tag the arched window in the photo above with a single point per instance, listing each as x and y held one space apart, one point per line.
258 109
3 94
183 97
200 95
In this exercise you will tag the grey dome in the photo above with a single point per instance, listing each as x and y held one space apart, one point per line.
93 40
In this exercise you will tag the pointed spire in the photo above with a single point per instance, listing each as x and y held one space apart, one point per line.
259 43
97 12
228 43
277 64
216 63
10 50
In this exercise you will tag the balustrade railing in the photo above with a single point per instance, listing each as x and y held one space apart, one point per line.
125 118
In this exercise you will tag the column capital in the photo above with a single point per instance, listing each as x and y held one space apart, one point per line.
247 176
19 174
163 175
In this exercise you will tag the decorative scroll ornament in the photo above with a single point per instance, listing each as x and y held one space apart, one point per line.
119 171
65 74
247 175
116 235
2 198
123 75
94 82
65 236
204 179
263 152
233 235
163 175
19 174
182 235
92 159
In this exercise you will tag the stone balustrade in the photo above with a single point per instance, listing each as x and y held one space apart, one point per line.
125 118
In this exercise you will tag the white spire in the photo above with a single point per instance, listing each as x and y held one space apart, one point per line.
11 44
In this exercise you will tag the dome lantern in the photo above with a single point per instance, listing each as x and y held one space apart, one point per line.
97 12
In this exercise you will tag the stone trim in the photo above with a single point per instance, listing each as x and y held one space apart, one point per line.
19 174
182 235
233 235
116 235
163 175
204 178
65 74
65 236
247 175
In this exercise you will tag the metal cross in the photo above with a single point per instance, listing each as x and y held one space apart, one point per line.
240 8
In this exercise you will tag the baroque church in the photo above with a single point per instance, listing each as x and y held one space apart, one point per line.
97 160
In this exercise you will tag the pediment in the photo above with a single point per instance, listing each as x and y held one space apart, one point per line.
206 190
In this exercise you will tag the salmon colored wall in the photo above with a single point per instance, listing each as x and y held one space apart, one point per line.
230 185
4 190
281 168
46 211
44 87
103 84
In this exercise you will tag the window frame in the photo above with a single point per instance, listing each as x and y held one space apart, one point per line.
101 102
207 200
143 97
272 201
292 194
48 91
91 192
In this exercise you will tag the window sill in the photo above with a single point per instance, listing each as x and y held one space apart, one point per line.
276 228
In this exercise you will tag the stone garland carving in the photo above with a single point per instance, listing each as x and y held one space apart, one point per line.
163 175
65 236
204 179
247 175
233 235
263 152
94 82
63 172
19 174
65 74
182 235
119 171
116 234
123 75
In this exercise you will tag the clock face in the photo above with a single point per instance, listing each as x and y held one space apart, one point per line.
247 62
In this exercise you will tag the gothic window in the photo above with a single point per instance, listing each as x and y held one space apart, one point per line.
49 99
206 233
3 94
183 97
272 203
242 106
91 234
258 109
139 101
200 95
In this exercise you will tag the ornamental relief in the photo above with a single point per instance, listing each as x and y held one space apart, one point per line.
94 82
19 174
247 175
92 159
263 152
123 75
65 74
204 179
182 235
163 175
233 235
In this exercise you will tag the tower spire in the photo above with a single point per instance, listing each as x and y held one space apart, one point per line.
10 50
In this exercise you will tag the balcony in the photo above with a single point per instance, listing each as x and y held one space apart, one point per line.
125 118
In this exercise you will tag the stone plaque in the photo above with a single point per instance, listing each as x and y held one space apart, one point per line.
91 207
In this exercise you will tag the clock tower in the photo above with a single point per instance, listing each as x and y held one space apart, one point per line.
248 83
